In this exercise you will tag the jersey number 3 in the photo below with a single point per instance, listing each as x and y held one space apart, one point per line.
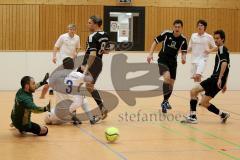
69 86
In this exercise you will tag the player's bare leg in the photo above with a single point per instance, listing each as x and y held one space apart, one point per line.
205 102
192 118
167 91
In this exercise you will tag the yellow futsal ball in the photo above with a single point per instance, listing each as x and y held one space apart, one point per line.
111 134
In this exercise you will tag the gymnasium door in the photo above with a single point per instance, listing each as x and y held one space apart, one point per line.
126 25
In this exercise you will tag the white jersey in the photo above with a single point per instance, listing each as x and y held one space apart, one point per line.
67 45
198 44
76 78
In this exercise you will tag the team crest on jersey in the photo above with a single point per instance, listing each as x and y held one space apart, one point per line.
173 45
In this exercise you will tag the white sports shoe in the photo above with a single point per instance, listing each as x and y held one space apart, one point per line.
189 119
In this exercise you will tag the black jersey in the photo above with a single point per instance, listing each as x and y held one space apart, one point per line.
97 41
221 56
171 45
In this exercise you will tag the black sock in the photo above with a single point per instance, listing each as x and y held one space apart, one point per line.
96 96
193 106
213 109
167 91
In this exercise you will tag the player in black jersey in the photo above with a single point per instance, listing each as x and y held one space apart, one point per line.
172 42
214 84
97 45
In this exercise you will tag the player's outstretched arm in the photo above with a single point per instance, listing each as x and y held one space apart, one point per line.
43 82
150 55
29 104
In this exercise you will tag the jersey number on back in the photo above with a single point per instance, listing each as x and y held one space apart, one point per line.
69 86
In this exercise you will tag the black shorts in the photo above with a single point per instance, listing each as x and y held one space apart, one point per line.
210 86
32 128
95 70
166 65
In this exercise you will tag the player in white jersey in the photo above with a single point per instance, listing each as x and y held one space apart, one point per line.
68 45
200 45
76 79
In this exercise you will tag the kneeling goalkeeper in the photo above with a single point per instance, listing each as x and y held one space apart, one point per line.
24 106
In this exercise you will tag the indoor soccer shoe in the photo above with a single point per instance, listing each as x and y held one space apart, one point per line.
224 117
75 120
168 105
189 119
51 92
164 107
94 120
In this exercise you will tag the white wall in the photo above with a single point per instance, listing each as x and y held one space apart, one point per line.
14 65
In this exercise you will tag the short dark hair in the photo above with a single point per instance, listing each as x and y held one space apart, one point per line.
97 20
221 33
203 22
68 63
178 21
25 80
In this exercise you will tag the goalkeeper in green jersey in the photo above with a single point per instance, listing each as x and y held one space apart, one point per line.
24 106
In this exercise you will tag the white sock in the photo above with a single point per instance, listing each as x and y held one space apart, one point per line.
86 109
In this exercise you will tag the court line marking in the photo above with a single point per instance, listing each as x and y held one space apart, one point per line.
207 132
200 142
171 151
210 134
104 144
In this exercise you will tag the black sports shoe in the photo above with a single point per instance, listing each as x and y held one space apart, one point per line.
224 116
75 120
164 107
51 92
168 105
95 120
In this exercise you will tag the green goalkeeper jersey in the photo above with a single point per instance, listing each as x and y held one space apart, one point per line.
23 107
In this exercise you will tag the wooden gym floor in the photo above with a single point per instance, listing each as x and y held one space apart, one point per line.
139 139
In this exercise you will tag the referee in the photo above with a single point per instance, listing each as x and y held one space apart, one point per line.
172 42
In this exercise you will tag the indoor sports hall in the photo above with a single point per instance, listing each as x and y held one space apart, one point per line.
36 36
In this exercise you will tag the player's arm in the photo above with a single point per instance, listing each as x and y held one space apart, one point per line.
28 103
56 48
189 49
43 82
225 86
90 61
78 48
213 47
150 55
93 53
224 65
184 48
224 60
157 40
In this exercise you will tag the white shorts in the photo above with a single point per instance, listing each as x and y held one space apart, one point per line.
198 68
